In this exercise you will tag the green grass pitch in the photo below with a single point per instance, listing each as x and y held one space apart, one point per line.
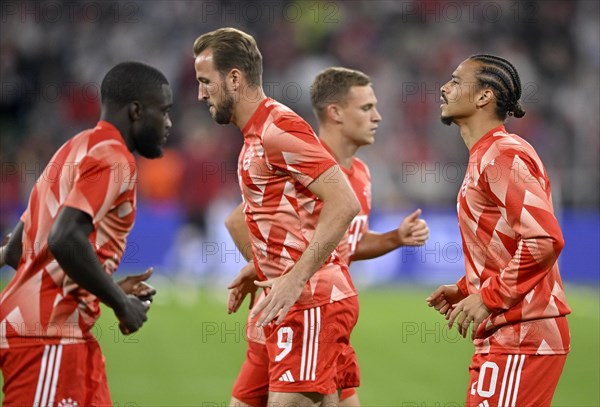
190 351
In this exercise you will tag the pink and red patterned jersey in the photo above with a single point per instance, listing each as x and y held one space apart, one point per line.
95 173
511 242
281 157
359 178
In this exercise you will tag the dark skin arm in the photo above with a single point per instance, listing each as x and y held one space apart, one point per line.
11 253
68 242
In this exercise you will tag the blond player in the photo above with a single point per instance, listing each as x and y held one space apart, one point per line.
297 206
346 109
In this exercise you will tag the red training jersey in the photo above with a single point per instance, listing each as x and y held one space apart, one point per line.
511 242
95 173
281 157
359 178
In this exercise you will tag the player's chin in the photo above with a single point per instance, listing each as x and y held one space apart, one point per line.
370 139
152 153
447 120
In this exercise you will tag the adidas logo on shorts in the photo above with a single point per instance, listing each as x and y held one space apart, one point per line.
287 377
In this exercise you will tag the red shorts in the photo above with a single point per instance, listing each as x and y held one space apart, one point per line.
252 383
48 375
509 380
308 349
347 393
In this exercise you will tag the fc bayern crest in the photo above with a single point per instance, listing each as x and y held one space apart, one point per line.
68 403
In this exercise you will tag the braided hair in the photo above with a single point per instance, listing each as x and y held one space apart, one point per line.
502 77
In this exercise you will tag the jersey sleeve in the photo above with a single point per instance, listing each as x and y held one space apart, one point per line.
521 191
368 191
101 176
462 286
292 147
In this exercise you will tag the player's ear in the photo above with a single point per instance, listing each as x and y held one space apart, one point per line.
485 97
234 78
135 111
334 113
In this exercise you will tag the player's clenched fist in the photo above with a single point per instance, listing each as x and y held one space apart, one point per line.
133 314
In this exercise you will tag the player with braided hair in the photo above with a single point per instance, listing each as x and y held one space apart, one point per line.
511 296
502 76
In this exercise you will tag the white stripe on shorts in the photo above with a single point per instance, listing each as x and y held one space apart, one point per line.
305 335
55 376
48 377
514 364
316 352
38 389
517 381
310 343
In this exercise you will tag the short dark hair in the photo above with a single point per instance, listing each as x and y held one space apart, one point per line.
332 86
501 76
129 81
232 48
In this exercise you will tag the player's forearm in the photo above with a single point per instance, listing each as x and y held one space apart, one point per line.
238 230
77 258
334 220
14 249
374 244
530 265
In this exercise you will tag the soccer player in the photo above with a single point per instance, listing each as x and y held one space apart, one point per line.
346 109
70 240
511 296
297 206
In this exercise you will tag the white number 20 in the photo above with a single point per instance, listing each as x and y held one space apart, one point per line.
284 341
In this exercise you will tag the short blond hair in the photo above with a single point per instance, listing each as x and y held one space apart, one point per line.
332 86
232 48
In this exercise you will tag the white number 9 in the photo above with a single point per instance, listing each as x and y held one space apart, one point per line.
286 344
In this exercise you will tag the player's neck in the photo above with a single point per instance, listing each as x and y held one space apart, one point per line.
473 130
247 105
343 151
121 122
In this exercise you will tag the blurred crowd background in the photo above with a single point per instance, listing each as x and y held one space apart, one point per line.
53 55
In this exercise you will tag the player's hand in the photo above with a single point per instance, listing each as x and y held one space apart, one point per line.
444 297
133 314
284 293
469 311
136 285
240 287
413 231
